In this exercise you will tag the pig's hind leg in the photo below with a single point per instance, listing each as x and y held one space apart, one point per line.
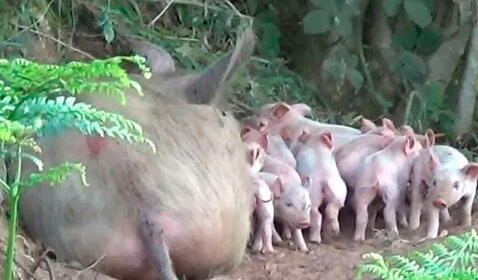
153 236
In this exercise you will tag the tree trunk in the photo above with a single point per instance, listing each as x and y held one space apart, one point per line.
467 97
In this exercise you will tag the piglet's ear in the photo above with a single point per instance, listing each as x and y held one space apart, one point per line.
280 110
410 143
285 134
433 161
388 123
245 130
263 125
407 130
304 135
327 139
307 182
302 108
367 125
429 138
277 187
471 171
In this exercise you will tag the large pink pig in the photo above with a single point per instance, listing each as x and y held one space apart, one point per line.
318 170
292 208
385 174
446 177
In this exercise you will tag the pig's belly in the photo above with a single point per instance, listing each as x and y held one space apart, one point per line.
202 246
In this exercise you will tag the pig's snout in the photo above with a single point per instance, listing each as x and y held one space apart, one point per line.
303 225
439 203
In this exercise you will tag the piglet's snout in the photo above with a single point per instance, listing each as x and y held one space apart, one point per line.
439 203
303 225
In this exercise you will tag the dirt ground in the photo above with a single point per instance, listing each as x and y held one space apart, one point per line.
336 258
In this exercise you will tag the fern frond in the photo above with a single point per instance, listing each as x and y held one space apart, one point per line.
24 79
454 260
55 175
60 113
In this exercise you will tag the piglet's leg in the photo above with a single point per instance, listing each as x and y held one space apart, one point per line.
286 233
267 238
299 240
445 215
416 204
332 212
466 211
415 213
153 237
275 235
362 198
433 214
390 215
372 211
258 240
315 225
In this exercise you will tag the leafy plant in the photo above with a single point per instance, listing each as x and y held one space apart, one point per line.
455 259
37 100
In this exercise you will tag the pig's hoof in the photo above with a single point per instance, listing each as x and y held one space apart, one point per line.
255 249
413 226
304 250
267 251
316 240
404 224
359 238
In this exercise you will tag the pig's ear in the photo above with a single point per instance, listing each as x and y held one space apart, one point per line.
280 110
327 139
471 171
367 125
302 108
410 144
429 138
433 161
304 135
388 123
277 187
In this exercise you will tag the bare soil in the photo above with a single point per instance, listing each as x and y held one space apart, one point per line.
336 258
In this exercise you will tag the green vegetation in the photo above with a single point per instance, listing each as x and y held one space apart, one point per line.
454 259
38 99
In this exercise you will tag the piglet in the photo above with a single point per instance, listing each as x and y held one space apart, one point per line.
351 155
385 174
274 145
263 207
289 123
292 208
318 170
446 177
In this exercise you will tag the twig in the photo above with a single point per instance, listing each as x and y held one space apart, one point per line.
37 263
88 267
33 24
22 267
49 268
62 43
236 10
161 13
